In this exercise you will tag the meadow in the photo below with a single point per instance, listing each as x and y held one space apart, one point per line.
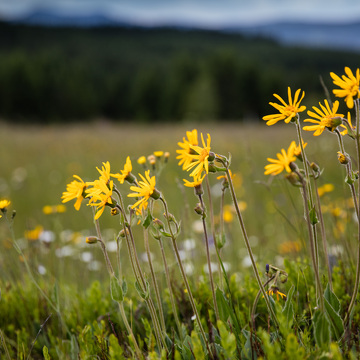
55 293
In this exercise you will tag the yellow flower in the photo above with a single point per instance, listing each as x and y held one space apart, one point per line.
60 208
125 174
186 150
34 234
4 204
282 162
275 290
325 189
75 190
288 247
225 176
297 150
145 190
286 111
158 154
326 118
197 181
104 172
100 195
141 160
47 209
200 160
349 86
352 128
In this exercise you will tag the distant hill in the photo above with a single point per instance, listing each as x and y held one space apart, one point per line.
324 35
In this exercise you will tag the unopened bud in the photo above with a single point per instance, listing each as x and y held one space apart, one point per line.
123 234
343 158
283 278
199 209
166 156
92 239
315 167
293 179
158 223
212 156
114 211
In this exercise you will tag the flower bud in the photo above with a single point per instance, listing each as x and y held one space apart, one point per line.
212 156
199 209
114 211
283 278
315 167
293 179
158 224
92 239
343 158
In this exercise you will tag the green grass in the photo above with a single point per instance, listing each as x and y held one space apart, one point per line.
38 162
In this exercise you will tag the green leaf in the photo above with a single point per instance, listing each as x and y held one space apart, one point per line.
288 309
332 299
337 325
124 287
197 346
116 290
313 217
148 220
228 340
46 353
321 329
223 306
143 294
166 234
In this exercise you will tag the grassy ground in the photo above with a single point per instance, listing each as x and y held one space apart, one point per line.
38 162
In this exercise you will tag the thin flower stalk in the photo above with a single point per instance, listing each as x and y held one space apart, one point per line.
248 246
357 278
308 188
323 233
212 224
183 274
171 294
312 240
208 258
120 303
153 278
348 172
135 264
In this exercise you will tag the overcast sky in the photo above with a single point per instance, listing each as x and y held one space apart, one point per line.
203 12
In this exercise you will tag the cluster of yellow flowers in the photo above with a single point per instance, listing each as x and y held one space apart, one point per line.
100 191
324 117
193 156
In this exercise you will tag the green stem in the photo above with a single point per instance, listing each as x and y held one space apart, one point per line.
357 279
248 247
138 353
312 241
187 285
153 278
171 294
323 234
212 223
208 258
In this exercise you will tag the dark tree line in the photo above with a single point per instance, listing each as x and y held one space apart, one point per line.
63 74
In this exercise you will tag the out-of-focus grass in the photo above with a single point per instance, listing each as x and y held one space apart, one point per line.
38 162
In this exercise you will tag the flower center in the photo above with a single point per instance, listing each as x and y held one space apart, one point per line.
290 110
204 154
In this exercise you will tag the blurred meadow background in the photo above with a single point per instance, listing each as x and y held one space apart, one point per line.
83 83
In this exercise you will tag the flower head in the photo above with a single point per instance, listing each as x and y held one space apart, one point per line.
104 172
275 290
4 204
282 162
327 118
325 189
145 190
75 190
286 111
196 182
141 160
200 160
185 151
100 195
349 86
158 154
126 173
